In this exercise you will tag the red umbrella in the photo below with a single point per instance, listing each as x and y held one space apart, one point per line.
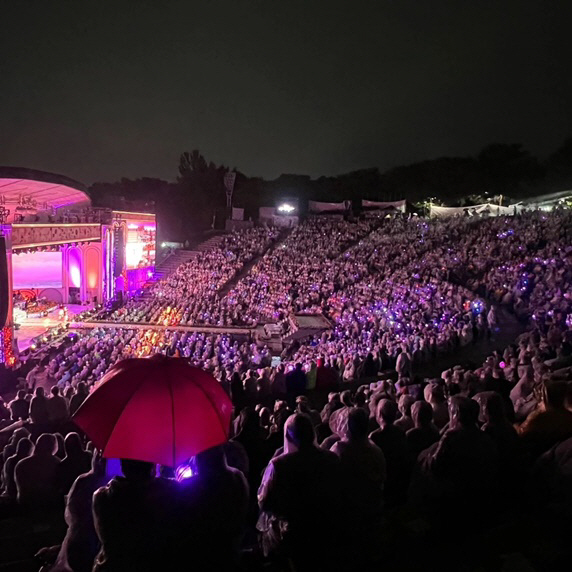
160 410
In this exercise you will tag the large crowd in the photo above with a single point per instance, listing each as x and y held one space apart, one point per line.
191 294
344 455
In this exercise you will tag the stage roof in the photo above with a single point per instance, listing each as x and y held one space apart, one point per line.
55 191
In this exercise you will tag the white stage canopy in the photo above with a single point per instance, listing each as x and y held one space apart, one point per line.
397 205
320 207
486 208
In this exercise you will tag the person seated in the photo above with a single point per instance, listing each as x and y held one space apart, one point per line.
76 462
133 517
36 476
211 520
391 440
300 496
424 433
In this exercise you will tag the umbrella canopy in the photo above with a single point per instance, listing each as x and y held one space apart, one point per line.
160 410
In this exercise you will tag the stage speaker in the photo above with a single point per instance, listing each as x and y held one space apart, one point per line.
119 246
4 283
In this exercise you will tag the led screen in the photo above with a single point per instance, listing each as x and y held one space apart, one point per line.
37 270
140 245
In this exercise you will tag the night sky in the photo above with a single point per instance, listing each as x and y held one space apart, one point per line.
101 89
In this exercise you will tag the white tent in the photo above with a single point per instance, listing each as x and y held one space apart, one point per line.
483 209
397 205
321 207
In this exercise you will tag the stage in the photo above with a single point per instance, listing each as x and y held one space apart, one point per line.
30 328
60 250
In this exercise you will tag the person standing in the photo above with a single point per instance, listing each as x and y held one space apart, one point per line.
57 406
20 407
300 496
36 475
39 407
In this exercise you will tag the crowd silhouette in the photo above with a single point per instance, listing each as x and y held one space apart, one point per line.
345 455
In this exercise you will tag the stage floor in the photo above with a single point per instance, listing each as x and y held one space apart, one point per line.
31 328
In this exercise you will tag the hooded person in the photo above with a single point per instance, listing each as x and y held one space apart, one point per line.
549 424
424 433
299 499
404 363
392 442
212 511
363 469
505 438
434 395
465 462
404 404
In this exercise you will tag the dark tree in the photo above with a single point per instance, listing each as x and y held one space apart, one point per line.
559 167
202 187
508 168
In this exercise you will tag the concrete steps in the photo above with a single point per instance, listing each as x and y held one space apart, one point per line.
171 263
210 243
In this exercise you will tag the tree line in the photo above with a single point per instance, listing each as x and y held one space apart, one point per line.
198 194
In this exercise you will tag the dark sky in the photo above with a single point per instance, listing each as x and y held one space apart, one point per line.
100 89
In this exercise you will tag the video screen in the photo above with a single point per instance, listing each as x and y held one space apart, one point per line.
140 245
37 270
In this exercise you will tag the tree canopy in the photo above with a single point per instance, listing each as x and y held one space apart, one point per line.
189 204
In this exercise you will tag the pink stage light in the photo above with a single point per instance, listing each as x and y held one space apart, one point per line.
75 267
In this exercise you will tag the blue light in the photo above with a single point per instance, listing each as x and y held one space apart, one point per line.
184 472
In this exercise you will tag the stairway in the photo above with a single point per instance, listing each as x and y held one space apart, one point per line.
210 243
172 262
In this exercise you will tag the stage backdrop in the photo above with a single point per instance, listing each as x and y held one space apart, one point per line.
140 244
37 270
